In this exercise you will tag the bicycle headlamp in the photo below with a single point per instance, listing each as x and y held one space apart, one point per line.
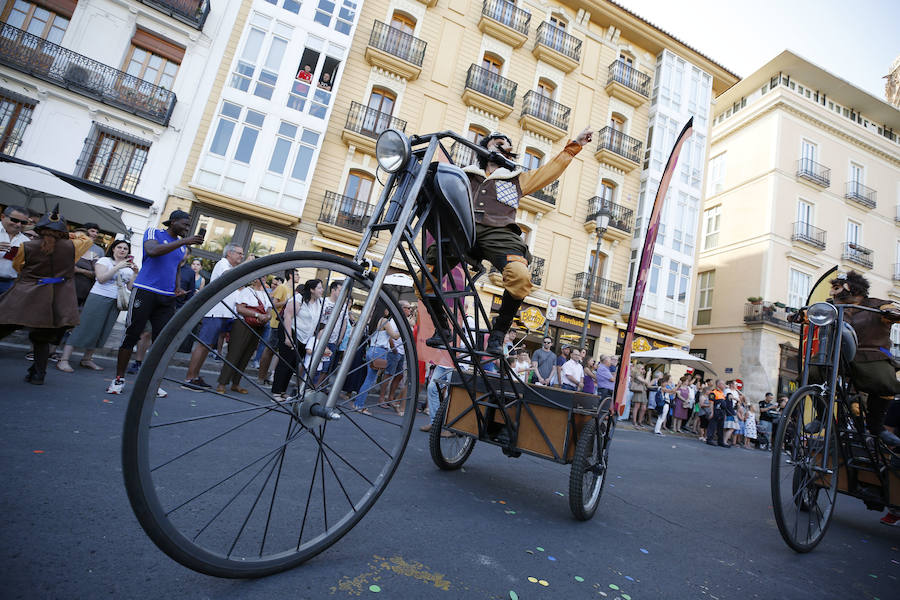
392 150
821 314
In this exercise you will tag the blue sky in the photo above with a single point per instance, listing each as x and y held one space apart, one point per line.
856 41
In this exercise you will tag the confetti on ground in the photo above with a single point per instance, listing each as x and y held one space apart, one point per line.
374 588
613 586
539 549
629 578
626 597
510 512
513 595
529 552
873 576
544 582
502 501
602 594
579 579
38 451
551 558
644 551
107 401
533 579
895 562
559 494
155 414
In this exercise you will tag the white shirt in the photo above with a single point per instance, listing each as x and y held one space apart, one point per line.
306 316
219 310
342 319
575 369
252 298
109 288
6 268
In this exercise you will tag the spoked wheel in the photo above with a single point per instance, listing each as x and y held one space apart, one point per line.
244 484
804 485
589 467
448 452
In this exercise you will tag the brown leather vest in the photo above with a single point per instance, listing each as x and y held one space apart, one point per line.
489 210
873 333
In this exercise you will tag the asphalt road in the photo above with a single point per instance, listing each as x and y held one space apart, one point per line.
678 519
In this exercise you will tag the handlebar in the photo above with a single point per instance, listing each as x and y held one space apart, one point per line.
494 157
892 314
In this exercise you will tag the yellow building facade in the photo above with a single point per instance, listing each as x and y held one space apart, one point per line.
539 72
803 175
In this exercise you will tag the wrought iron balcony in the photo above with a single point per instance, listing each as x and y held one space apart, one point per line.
813 171
619 143
767 312
370 122
398 43
462 156
507 13
537 270
857 254
192 12
547 194
345 211
620 217
546 109
621 72
606 292
804 232
37 57
860 194
492 85
557 39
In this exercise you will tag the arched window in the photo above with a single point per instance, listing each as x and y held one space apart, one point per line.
617 122
532 158
379 110
403 22
476 133
492 63
607 191
546 88
358 187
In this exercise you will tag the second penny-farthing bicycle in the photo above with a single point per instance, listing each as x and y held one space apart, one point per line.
246 483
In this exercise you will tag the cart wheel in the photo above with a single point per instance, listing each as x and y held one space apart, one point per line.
448 453
804 488
588 470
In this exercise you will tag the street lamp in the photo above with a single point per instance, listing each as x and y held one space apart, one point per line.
601 222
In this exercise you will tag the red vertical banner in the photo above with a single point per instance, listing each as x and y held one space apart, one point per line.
643 272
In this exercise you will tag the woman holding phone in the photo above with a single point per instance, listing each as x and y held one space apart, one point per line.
101 309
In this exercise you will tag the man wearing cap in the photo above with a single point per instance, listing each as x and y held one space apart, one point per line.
496 191
154 289
14 220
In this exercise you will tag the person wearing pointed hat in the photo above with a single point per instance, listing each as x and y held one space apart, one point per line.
43 297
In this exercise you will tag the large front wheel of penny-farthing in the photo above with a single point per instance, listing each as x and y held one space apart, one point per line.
589 466
804 481
240 484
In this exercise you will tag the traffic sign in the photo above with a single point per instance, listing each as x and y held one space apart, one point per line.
552 306
739 384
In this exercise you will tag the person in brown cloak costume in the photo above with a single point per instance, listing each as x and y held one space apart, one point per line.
43 297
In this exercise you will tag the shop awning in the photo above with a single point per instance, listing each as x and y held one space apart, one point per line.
41 190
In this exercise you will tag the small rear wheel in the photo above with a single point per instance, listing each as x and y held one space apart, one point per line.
449 452
804 480
588 470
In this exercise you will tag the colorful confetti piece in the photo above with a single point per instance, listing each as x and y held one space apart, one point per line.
502 501
551 558
513 595
529 552
533 579
629 578
107 401
613 586
374 588
510 512
38 451
626 597
873 576
155 414
544 582
644 551
559 494
539 549
579 578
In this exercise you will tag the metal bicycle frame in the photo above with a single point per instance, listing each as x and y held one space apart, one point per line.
398 203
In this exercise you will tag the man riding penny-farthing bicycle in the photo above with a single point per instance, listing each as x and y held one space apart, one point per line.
836 433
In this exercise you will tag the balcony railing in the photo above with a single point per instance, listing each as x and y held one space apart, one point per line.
507 13
620 217
490 84
37 57
630 77
857 254
346 212
813 171
556 38
370 122
546 109
767 312
397 42
462 156
547 194
192 12
606 292
623 145
861 194
804 232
